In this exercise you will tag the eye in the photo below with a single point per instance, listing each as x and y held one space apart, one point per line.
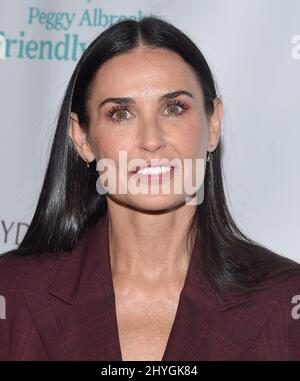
174 105
120 112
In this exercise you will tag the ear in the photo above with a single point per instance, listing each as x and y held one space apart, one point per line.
79 138
215 122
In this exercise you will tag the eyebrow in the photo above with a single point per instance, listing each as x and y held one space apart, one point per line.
164 97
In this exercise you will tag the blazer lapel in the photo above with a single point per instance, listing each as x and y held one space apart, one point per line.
211 327
76 316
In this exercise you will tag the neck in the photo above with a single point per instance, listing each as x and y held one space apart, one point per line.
149 247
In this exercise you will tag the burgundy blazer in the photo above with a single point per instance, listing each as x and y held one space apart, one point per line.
63 308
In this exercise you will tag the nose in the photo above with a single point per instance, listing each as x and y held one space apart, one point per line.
151 137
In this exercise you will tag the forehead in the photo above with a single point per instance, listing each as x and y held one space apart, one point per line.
145 71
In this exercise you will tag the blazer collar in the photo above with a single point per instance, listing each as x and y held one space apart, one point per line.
86 268
76 315
88 265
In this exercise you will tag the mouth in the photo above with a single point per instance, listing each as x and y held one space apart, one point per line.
154 174
153 170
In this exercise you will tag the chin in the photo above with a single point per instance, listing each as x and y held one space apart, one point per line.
150 203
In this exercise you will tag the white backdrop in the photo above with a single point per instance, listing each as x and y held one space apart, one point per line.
253 48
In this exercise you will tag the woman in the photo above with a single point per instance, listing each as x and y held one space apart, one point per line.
111 276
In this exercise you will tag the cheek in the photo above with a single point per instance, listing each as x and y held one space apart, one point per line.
104 143
192 141
192 145
106 146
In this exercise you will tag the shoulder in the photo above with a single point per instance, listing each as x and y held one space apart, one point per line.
287 295
281 289
280 335
18 272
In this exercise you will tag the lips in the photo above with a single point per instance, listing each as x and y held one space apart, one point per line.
138 168
154 176
161 163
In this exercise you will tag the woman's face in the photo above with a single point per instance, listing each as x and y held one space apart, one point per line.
148 126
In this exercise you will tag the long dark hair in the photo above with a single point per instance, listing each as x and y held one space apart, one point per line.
69 202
